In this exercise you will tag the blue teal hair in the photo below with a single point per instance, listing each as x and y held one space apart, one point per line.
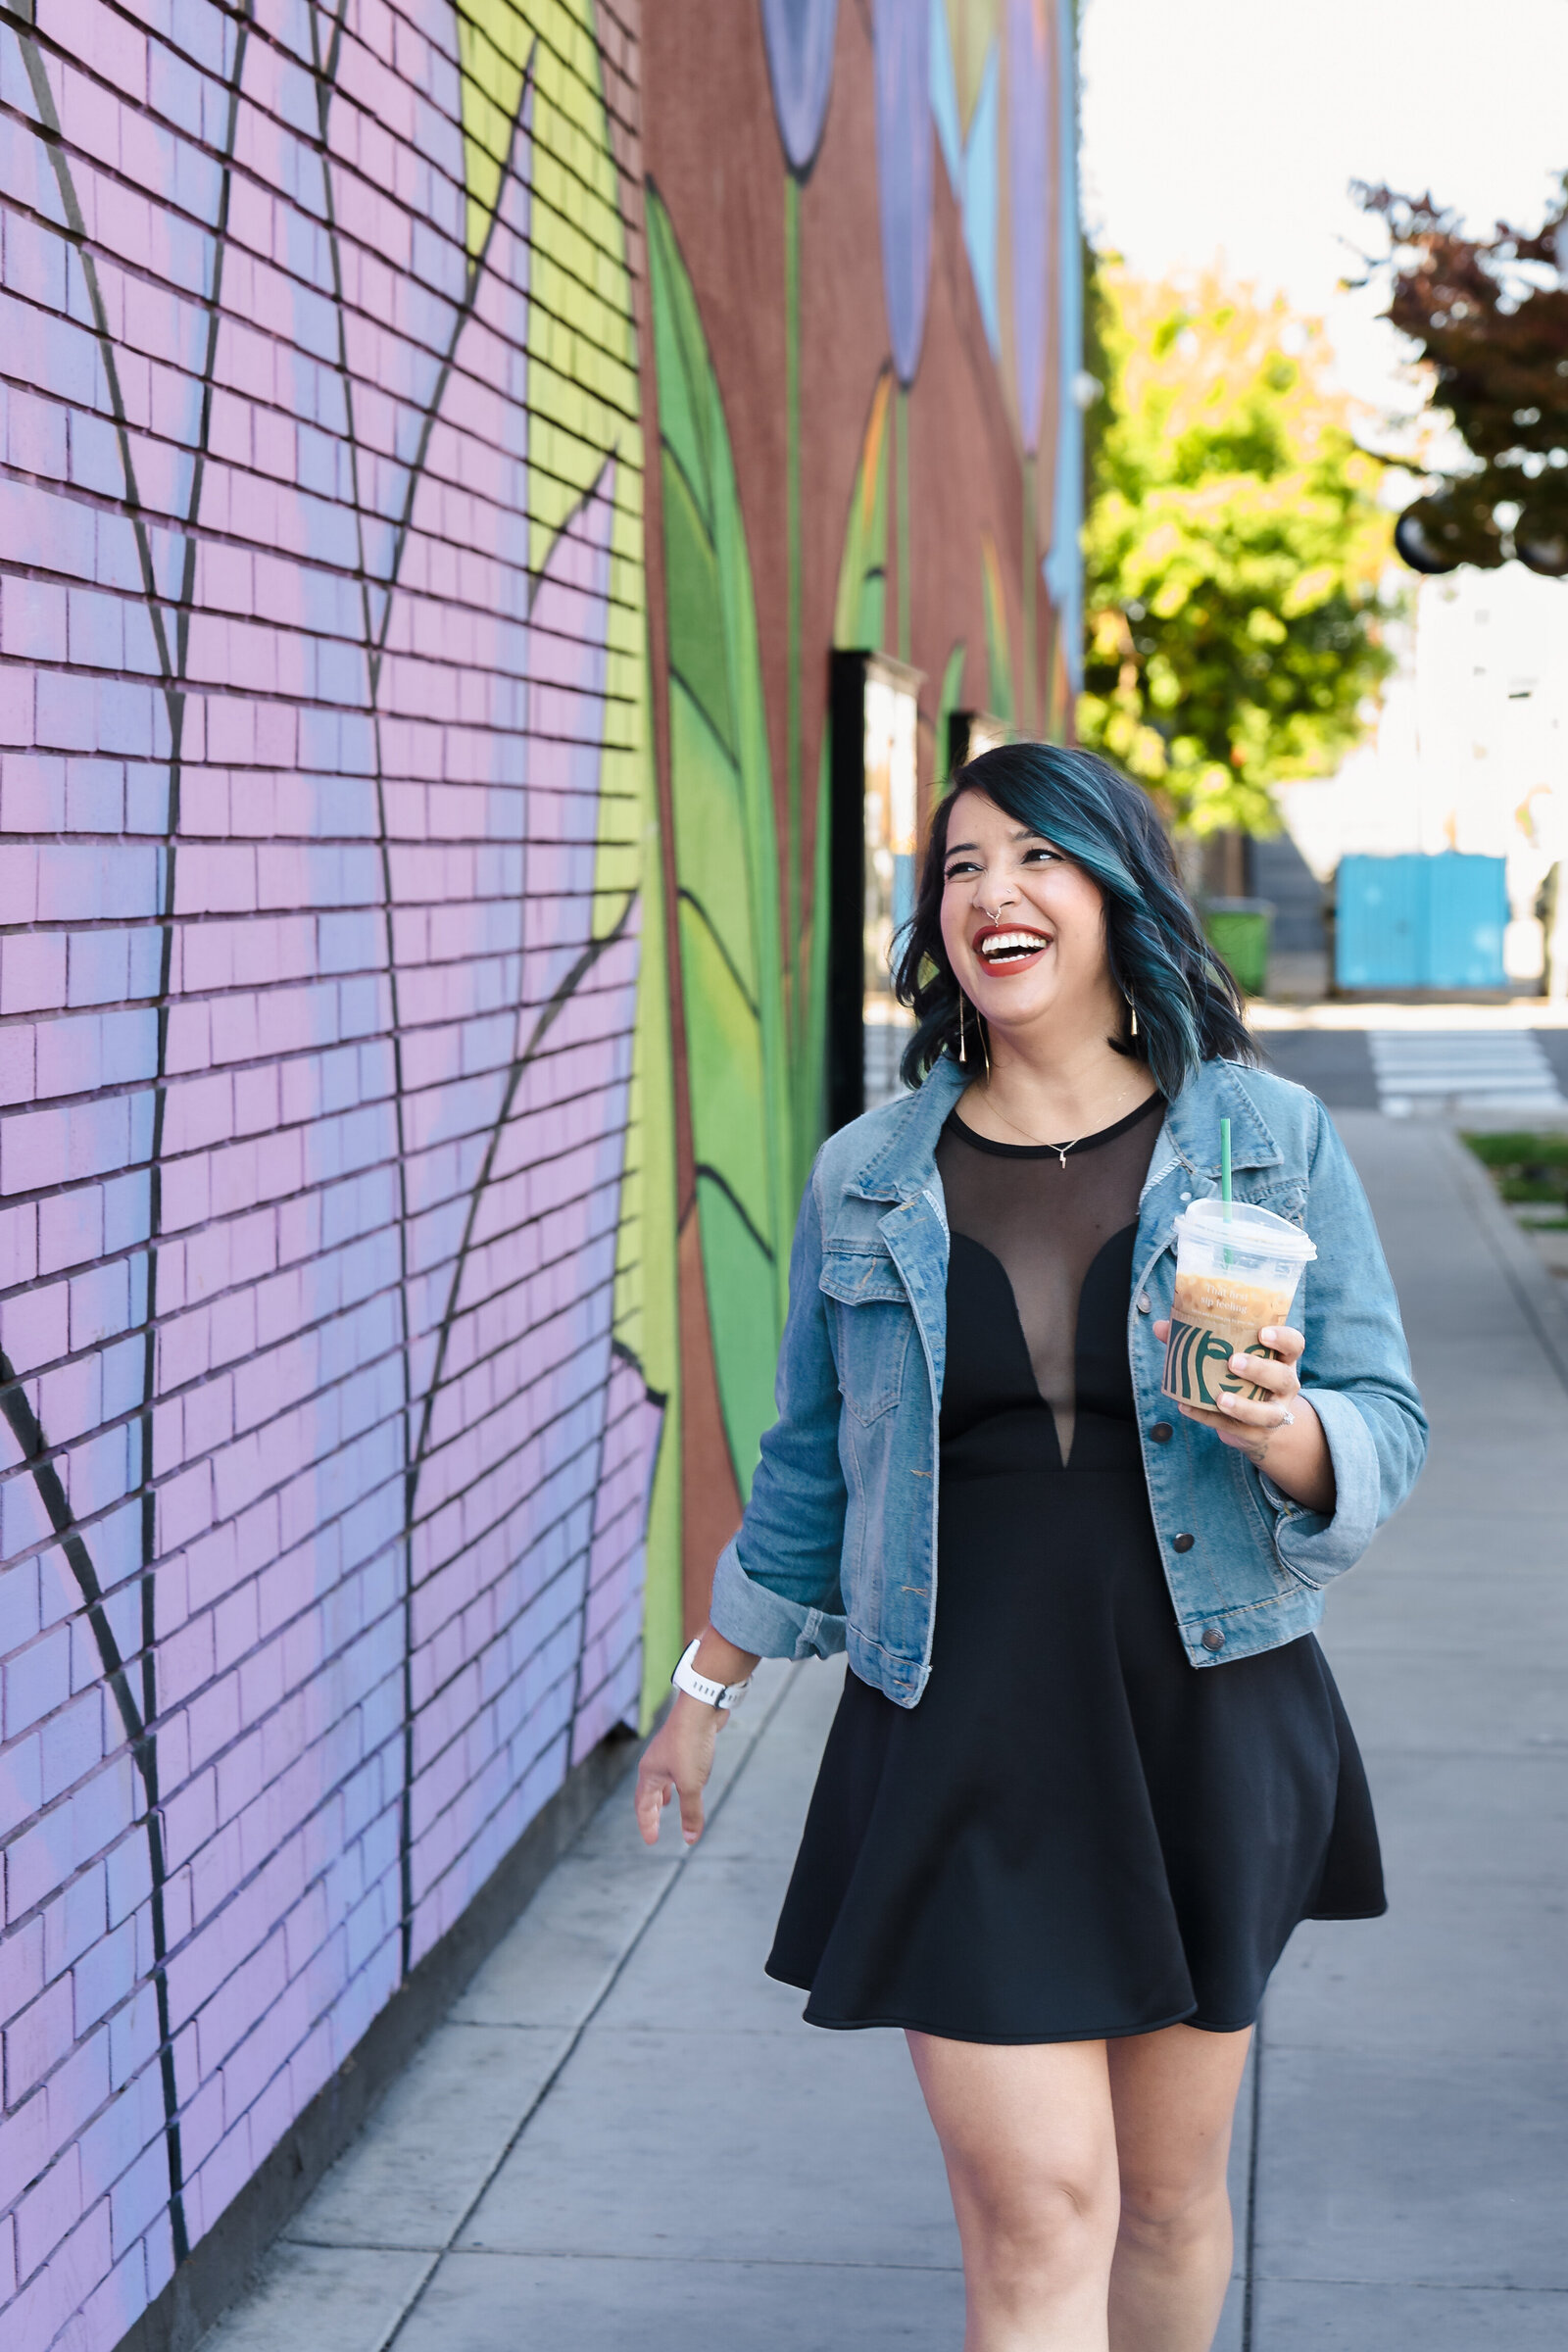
1190 1009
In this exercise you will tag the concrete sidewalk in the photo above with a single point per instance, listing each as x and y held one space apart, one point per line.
623 2134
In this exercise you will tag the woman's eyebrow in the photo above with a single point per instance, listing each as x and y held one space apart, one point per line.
953 847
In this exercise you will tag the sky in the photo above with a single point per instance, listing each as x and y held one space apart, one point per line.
1233 126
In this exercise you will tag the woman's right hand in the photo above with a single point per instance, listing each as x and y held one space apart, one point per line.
676 1762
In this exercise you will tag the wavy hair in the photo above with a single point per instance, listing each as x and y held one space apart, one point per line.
1190 1008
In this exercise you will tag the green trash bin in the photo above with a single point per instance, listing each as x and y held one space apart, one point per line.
1239 929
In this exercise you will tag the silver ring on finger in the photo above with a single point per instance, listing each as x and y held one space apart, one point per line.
1287 1419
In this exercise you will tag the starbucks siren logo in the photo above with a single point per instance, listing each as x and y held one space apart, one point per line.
1191 1353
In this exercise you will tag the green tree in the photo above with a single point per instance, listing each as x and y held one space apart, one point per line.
1233 551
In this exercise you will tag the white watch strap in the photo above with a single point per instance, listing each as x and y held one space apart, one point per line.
698 1686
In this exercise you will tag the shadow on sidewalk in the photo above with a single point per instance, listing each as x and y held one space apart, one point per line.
624 2132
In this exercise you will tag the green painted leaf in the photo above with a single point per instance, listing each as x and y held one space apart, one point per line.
999 653
811 1067
727 866
860 608
951 688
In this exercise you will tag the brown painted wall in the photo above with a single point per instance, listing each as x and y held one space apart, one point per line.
712 150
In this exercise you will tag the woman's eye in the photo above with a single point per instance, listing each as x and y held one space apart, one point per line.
1041 856
956 873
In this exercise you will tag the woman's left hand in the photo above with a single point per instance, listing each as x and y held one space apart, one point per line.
1279 1433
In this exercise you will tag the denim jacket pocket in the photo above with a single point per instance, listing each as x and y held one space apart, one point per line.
871 1325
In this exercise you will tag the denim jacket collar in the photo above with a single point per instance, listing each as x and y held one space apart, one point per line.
905 1160
1215 1092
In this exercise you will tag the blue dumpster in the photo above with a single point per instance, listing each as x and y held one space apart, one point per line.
1420 922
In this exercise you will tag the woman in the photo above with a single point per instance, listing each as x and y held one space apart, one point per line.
1090 1768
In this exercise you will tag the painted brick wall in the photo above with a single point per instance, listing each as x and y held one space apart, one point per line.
331 1124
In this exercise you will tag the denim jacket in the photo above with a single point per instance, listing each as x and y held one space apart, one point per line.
838 1545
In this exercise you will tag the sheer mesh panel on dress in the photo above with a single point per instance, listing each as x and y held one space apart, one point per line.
1045 1218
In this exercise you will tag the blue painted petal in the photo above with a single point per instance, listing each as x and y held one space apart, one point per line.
901 31
1029 143
800 35
944 97
980 197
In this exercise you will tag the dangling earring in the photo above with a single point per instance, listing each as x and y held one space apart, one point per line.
1133 1009
985 1047
961 1055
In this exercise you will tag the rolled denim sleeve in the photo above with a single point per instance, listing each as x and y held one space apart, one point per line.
1356 1374
776 1586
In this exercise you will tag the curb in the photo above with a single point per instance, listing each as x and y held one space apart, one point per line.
1535 1289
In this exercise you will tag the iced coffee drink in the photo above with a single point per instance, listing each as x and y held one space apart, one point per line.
1236 1274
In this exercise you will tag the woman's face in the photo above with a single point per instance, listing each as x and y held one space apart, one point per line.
1024 928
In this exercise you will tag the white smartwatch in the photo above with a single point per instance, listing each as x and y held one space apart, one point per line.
698 1686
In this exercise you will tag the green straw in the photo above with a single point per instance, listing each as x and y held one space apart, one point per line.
1225 1165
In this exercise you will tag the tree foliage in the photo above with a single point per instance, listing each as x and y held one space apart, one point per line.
1489 318
1233 550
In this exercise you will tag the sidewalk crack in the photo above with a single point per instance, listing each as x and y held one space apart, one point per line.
449 2243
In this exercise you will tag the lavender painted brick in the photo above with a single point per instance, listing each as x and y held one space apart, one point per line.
79 2089
38 2040
139 2197
37 1681
71 1744
49 2209
32 979
21 1795
103 1978
283 1283
24 2146
33 620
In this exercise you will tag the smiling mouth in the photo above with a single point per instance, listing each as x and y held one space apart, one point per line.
999 949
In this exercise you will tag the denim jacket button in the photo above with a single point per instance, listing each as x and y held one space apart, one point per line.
1213 1639
1161 1434
1143 1303
1182 1543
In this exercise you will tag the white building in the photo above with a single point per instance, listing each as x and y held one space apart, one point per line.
1471 748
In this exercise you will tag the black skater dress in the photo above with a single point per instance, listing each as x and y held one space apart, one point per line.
1075 1834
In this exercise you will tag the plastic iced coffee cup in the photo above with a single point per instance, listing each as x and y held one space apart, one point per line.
1236 1274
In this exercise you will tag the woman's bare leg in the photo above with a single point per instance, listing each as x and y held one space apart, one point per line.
1030 2145
1173 2094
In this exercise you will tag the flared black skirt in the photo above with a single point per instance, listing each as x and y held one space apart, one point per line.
1075 1832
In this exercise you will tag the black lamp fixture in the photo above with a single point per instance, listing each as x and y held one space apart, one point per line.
1463 523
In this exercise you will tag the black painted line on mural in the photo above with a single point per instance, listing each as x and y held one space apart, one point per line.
326 70
38 1455
75 231
550 1012
375 628
689 898
521 121
175 700
375 648
702 1169
173 669
39 1458
617 1349
554 1005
